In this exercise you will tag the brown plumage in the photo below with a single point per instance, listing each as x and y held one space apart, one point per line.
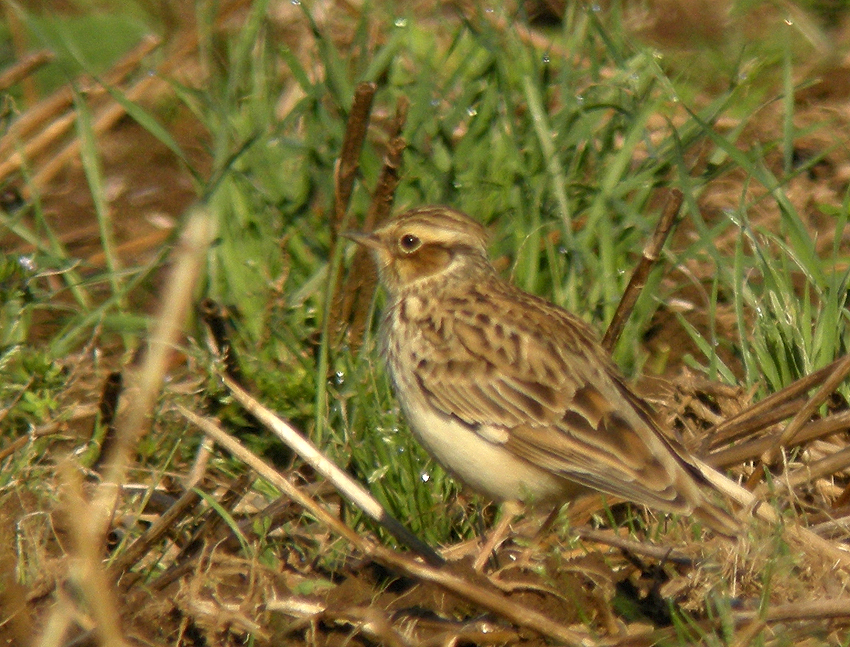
513 394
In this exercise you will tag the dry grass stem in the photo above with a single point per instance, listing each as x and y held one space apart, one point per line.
651 254
752 449
86 556
803 610
497 603
807 541
235 448
835 378
836 462
82 411
135 551
51 111
347 486
801 417
610 538
148 379
24 68
89 521
149 87
751 419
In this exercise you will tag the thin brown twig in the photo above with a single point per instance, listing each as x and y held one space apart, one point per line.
824 467
23 68
345 172
139 548
651 254
837 526
743 422
836 377
751 449
753 425
609 538
839 372
495 602
371 621
212 429
350 489
799 610
206 532
107 408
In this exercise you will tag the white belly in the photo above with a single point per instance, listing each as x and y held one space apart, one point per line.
485 466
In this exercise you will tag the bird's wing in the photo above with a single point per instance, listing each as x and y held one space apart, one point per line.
559 407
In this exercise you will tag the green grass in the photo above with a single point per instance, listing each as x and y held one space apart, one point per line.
538 147
554 153
540 150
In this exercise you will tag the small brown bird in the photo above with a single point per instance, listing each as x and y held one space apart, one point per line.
512 394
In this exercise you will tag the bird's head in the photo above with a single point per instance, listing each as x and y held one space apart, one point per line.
423 243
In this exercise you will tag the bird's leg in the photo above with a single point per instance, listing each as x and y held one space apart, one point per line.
510 511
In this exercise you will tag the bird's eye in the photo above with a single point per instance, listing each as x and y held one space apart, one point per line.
409 242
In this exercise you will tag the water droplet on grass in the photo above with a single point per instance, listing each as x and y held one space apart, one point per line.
27 263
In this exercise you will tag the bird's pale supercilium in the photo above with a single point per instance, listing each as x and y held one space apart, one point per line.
510 393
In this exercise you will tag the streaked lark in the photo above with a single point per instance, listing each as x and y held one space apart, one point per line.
512 394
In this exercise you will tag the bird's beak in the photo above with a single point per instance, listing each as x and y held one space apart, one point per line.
367 240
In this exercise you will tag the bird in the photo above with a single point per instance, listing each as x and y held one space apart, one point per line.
510 393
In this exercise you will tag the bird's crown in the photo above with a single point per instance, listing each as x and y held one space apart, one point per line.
440 226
